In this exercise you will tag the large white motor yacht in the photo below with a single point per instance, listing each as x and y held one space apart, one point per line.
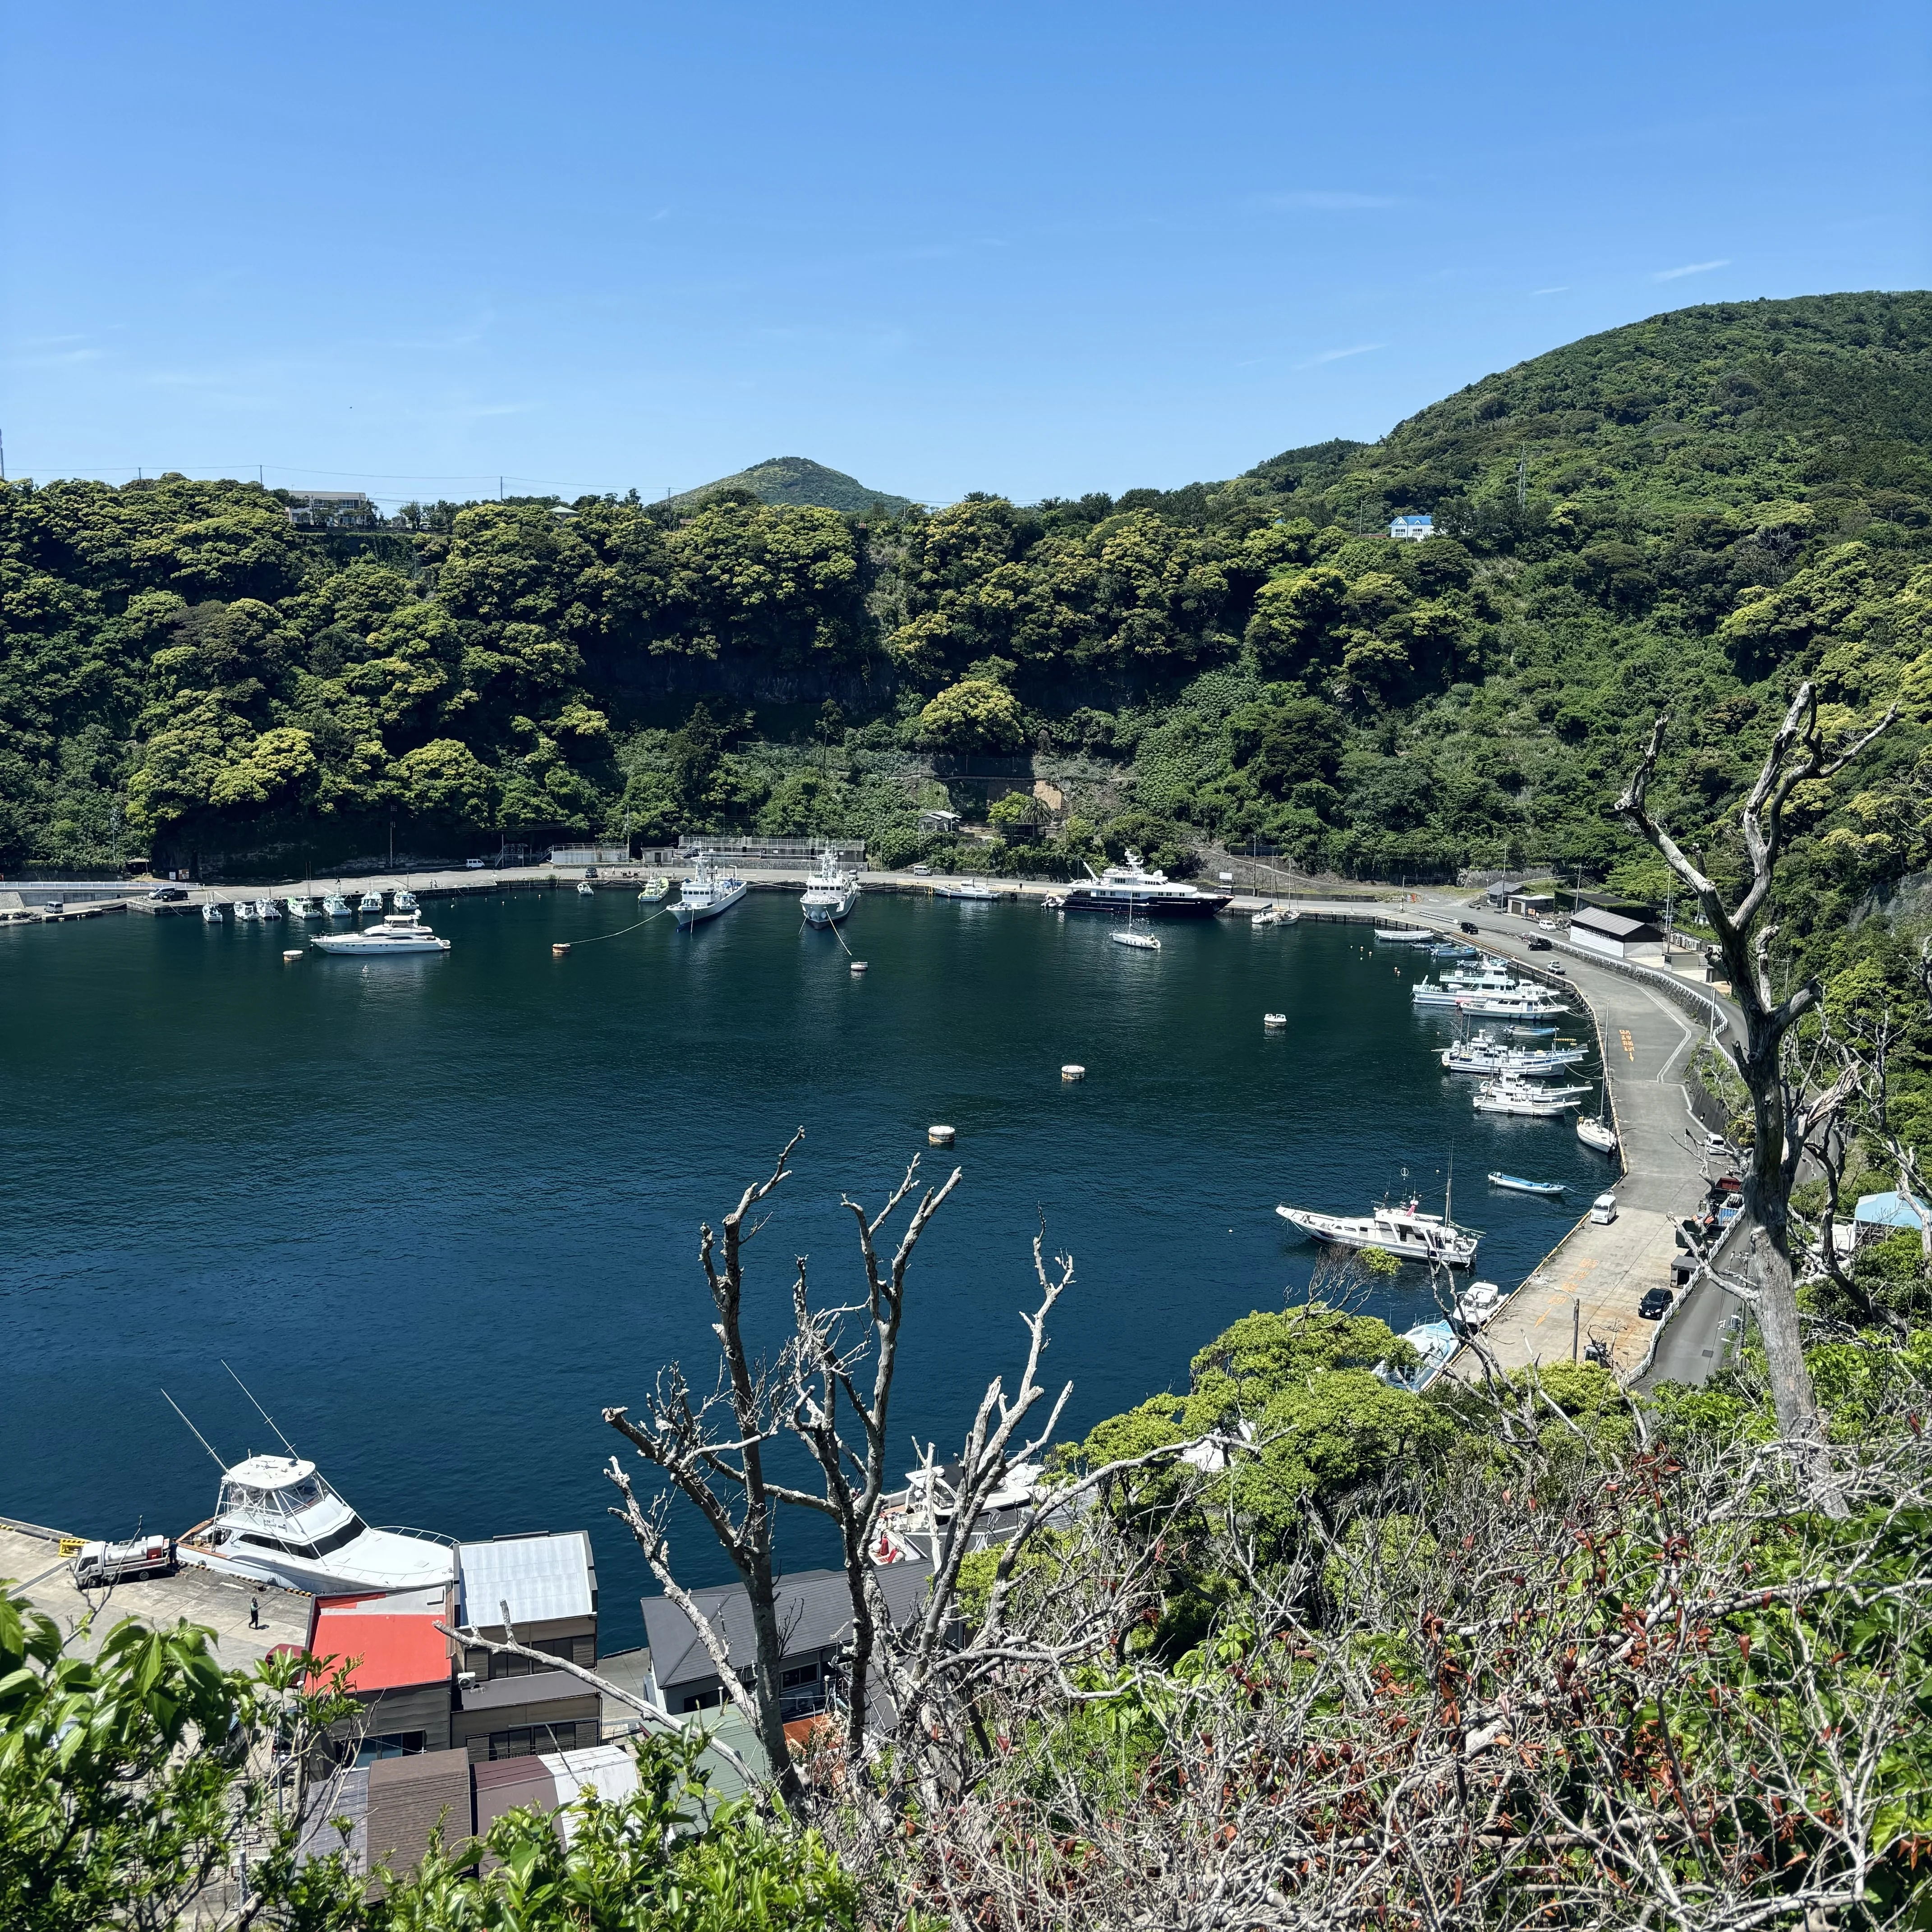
1131 891
276 1521
399 932
706 893
830 894
1401 1230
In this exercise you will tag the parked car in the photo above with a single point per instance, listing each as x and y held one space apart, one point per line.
1716 1144
1467 925
590 871
1539 945
169 894
1557 966
1603 1210
922 872
474 864
1655 1304
1550 925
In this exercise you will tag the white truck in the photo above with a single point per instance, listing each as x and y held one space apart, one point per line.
97 1564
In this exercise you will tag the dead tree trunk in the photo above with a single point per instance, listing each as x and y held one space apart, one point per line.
1798 754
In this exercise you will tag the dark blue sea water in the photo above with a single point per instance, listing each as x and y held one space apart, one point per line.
438 1212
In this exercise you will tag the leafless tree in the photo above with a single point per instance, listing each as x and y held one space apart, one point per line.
1783 1115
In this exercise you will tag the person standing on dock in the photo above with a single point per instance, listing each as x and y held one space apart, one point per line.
254 1613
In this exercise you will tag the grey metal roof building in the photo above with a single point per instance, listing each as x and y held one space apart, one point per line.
814 1609
544 1579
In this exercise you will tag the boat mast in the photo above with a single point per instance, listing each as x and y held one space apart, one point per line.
194 1432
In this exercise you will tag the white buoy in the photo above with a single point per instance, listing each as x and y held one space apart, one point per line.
294 952
940 1136
1070 1071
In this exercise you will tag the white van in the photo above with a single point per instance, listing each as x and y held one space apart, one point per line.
1603 1210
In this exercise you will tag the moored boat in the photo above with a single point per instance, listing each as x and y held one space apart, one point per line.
969 889
656 888
370 902
400 932
706 893
1142 942
1435 1342
211 912
585 889
336 906
1130 891
1516 1184
1405 935
831 893
267 909
406 900
245 911
301 906
1513 1097
1401 1229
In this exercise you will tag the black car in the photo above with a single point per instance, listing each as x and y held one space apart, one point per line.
1465 926
1655 1304
169 894
1539 946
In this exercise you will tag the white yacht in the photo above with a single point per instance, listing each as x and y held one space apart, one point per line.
211 912
706 893
336 906
1402 1230
301 906
1598 1132
370 902
245 909
406 900
831 894
1142 942
970 889
1131 890
399 932
1516 1097
277 1521
267 909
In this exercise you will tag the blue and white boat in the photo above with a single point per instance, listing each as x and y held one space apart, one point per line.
1516 1184
1434 1341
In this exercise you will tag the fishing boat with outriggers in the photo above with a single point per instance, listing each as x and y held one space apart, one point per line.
706 893
1130 891
1400 1228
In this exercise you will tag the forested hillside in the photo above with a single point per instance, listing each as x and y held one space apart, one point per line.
1688 511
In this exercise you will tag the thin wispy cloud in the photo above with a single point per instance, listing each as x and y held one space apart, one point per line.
1329 200
1690 269
1560 289
1340 354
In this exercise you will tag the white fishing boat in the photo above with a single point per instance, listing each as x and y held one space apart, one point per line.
1275 915
1401 1229
656 888
301 906
370 902
1142 942
1529 1003
971 890
399 932
211 912
336 906
406 900
1435 1342
706 893
831 893
1498 1096
245 911
1484 1055
585 890
267 909
1476 1306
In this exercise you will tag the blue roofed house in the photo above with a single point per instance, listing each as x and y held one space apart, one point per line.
1412 529
1878 1217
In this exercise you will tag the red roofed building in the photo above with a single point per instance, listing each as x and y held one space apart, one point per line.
399 1665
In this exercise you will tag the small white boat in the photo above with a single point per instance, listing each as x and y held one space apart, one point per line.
706 893
585 890
370 902
336 906
970 889
1402 1230
406 900
245 911
1405 935
399 932
656 888
1274 1022
1476 1305
211 913
301 906
1142 942
1597 1133
1275 915
267 909
1499 1097
1515 1184
831 894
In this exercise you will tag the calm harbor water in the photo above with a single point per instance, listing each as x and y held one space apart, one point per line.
438 1212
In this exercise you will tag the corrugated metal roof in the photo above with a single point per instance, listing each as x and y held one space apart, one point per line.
814 1609
544 1579
1887 1210
539 1687
1612 925
391 1651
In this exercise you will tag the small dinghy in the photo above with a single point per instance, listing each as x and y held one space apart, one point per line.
1516 1184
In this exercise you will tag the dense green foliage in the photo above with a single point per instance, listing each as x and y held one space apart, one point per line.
797 479
1688 511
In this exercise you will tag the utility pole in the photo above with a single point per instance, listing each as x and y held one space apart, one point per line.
1575 1323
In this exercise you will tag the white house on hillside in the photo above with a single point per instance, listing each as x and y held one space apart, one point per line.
1412 529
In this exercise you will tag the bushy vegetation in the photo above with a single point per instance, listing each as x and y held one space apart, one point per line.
1689 510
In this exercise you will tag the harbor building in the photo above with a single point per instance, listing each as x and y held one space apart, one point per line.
399 1666
1611 934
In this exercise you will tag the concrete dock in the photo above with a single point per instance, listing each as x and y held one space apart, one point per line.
30 1556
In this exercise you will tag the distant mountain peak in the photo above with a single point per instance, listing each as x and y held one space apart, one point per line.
797 479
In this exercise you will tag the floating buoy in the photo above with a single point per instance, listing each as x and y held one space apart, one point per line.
1070 1071
940 1136
858 965
559 948
293 952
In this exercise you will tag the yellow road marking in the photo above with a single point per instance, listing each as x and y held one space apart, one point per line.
1623 1035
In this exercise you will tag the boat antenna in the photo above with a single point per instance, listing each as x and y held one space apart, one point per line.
193 1431
261 1411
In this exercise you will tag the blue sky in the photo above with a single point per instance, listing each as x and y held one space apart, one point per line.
1037 249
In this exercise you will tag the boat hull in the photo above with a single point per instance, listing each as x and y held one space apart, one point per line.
1342 1231
688 915
826 912
364 946
1144 905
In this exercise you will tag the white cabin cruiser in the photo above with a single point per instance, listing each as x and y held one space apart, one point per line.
1402 1230
245 911
406 900
831 893
399 932
211 912
706 893
276 1521
1131 891
370 902
967 889
336 906
267 909
300 906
